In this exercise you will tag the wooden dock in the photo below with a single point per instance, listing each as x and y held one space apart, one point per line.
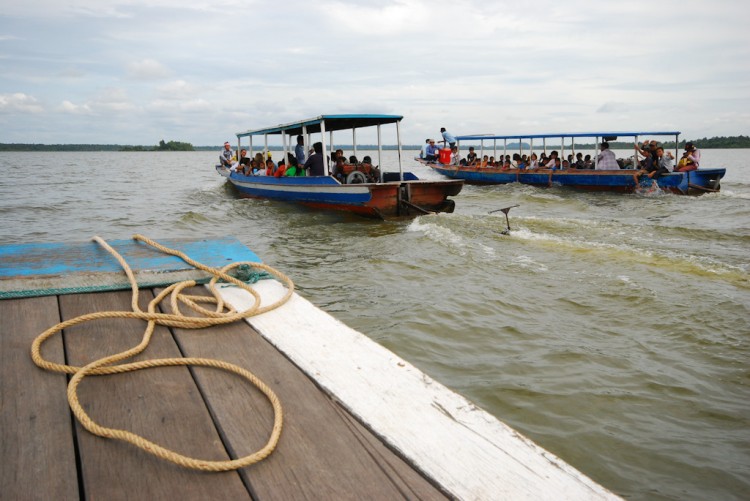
347 433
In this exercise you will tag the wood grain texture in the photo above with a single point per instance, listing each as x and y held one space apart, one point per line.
323 453
37 455
161 404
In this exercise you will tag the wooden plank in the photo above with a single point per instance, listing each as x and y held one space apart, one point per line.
59 268
36 445
467 451
322 453
161 404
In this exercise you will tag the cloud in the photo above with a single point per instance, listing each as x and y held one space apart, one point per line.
147 69
19 103
74 109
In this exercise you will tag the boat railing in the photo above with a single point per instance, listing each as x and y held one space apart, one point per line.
597 136
321 124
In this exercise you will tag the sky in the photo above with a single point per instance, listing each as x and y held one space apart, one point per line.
137 72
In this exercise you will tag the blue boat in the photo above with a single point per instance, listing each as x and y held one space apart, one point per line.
622 180
364 189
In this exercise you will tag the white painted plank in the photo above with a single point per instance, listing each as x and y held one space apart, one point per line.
461 447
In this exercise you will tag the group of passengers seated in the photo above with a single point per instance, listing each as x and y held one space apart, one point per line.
258 166
527 162
352 171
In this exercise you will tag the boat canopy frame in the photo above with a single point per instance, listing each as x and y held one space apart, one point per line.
329 123
607 136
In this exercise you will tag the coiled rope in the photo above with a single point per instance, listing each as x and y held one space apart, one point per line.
107 365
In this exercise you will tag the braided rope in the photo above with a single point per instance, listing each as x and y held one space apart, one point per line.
218 316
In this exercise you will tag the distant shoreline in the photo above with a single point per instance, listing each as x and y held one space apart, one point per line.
705 143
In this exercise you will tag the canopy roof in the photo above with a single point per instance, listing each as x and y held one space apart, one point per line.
608 134
332 123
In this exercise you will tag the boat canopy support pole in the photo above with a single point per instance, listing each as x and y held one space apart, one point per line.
505 149
284 150
306 141
676 147
635 152
354 141
323 140
596 155
380 155
398 140
494 149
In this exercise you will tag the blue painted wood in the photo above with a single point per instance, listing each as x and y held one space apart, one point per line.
38 259
43 269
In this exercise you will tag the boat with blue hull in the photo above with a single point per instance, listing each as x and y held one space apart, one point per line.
621 180
364 190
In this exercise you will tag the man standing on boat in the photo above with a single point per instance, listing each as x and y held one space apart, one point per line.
299 150
448 138
606 159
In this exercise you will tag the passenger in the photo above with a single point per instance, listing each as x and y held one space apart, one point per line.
606 159
280 169
507 165
432 151
299 150
448 139
485 160
690 159
226 157
516 160
373 173
566 164
270 167
534 161
471 157
552 160
353 160
339 154
254 171
522 162
662 165
587 163
338 170
294 169
315 164
243 165
579 161
571 159
423 151
455 156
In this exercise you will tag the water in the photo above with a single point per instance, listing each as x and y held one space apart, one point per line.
610 329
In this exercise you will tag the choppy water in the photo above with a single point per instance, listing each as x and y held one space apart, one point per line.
611 329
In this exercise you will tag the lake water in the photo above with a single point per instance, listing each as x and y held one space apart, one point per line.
613 330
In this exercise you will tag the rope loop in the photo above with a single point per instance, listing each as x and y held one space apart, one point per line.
221 314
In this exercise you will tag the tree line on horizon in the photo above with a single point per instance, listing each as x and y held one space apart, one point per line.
705 143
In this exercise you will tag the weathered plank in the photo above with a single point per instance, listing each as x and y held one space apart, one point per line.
322 454
462 448
37 456
161 404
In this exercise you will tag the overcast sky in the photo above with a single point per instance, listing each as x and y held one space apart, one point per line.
136 72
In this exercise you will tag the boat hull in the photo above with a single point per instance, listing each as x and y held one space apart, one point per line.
386 200
684 183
